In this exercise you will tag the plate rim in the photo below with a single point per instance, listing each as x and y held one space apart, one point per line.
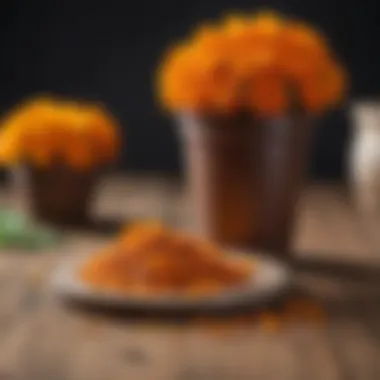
67 285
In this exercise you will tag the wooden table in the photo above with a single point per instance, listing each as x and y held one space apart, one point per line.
40 339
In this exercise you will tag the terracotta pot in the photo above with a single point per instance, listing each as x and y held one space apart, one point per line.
245 177
60 195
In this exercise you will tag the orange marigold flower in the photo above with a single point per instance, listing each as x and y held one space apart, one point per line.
269 23
336 84
179 80
235 25
324 91
46 131
213 70
9 145
268 95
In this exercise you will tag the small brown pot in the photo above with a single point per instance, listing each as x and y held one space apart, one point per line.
60 195
245 178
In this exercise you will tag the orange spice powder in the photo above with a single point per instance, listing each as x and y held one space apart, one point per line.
152 259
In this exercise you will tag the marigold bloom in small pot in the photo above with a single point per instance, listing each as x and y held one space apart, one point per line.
63 145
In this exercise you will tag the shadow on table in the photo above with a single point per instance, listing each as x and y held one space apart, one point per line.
100 226
178 315
314 263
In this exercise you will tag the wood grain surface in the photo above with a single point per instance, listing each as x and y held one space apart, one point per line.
42 339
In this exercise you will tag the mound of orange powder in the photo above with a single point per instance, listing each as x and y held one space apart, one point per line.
153 259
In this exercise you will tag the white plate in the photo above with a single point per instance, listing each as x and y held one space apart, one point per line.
270 279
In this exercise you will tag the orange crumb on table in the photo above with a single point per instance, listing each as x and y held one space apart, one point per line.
305 309
266 319
269 322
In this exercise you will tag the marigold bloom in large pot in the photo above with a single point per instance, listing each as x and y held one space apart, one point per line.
246 90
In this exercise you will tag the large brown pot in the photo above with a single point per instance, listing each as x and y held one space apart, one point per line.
60 195
245 178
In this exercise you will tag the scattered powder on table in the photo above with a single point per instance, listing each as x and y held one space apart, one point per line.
292 311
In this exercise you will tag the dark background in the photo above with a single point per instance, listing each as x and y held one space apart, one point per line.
108 51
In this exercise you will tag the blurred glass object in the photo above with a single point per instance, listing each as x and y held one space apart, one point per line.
364 164
16 229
